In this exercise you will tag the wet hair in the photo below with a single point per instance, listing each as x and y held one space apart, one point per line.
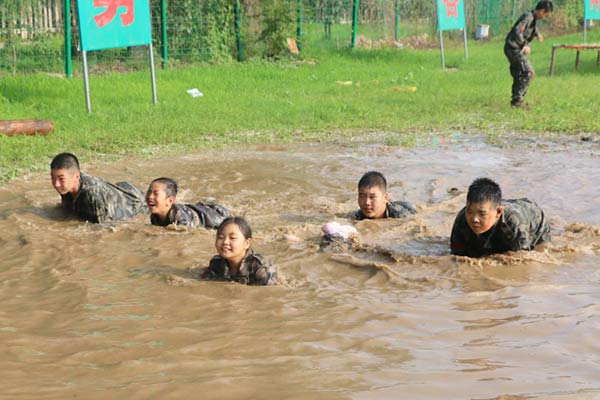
482 190
373 179
240 222
545 5
64 161
170 186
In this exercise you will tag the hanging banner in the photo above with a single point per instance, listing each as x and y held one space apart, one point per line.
592 9
451 14
105 24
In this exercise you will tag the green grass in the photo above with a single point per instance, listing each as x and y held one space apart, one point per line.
260 102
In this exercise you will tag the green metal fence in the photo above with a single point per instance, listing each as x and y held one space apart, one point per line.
33 32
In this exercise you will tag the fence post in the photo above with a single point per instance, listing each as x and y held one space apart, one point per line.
238 30
163 26
299 31
67 35
354 22
397 21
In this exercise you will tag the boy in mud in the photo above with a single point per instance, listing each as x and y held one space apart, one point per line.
90 198
374 202
490 225
516 49
164 211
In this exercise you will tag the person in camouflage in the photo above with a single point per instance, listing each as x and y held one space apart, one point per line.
91 198
236 261
490 225
373 199
160 198
516 49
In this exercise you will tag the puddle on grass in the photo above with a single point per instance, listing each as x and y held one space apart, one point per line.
95 311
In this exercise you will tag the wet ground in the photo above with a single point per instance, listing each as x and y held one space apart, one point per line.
100 312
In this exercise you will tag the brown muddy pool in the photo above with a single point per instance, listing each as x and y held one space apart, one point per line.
109 312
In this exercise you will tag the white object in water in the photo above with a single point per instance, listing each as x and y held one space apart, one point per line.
195 92
332 228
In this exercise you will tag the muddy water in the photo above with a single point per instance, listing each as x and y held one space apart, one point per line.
101 312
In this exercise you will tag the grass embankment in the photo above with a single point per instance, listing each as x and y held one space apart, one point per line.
299 101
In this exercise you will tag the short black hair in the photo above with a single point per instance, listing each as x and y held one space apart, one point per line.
64 161
545 5
170 186
373 179
482 190
240 222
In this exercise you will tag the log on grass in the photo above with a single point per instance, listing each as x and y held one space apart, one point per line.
26 127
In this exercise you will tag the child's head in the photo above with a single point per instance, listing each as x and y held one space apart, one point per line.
543 9
484 205
64 173
372 194
161 196
234 237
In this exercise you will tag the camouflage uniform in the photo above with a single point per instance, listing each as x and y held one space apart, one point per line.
207 215
521 226
393 209
522 33
100 201
254 270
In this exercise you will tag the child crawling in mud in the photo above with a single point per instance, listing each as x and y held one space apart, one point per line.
236 261
490 225
374 202
161 196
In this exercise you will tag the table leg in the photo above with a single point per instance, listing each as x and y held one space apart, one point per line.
577 60
554 57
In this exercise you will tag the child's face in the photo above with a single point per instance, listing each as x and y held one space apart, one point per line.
372 201
542 14
231 243
157 200
65 180
482 216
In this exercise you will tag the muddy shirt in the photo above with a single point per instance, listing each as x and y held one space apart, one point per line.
254 270
521 226
100 201
206 215
393 209
523 32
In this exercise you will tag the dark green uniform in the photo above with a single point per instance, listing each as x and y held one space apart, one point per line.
522 33
393 209
206 215
255 270
100 201
521 226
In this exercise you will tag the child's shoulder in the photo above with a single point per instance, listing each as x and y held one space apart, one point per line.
253 256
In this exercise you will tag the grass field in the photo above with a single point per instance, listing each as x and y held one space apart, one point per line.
395 96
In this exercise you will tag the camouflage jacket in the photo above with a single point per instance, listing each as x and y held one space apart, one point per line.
206 215
521 226
393 209
255 270
100 201
523 32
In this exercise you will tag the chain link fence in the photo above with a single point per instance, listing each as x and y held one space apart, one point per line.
32 31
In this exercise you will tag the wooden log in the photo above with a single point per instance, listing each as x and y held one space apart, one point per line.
26 127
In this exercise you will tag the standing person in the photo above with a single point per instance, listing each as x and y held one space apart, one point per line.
90 198
516 49
488 224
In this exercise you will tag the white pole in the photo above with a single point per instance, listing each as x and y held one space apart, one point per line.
86 83
442 49
465 40
152 74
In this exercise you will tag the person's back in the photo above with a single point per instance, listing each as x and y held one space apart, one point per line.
91 198
488 224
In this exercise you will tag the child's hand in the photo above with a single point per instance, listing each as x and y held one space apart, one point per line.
526 50
540 37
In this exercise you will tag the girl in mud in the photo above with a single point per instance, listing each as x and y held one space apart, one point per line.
236 260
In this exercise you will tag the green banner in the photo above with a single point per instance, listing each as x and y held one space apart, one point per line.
105 24
592 9
451 14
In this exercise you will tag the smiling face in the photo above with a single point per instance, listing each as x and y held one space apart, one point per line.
65 180
231 244
372 201
158 202
481 217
